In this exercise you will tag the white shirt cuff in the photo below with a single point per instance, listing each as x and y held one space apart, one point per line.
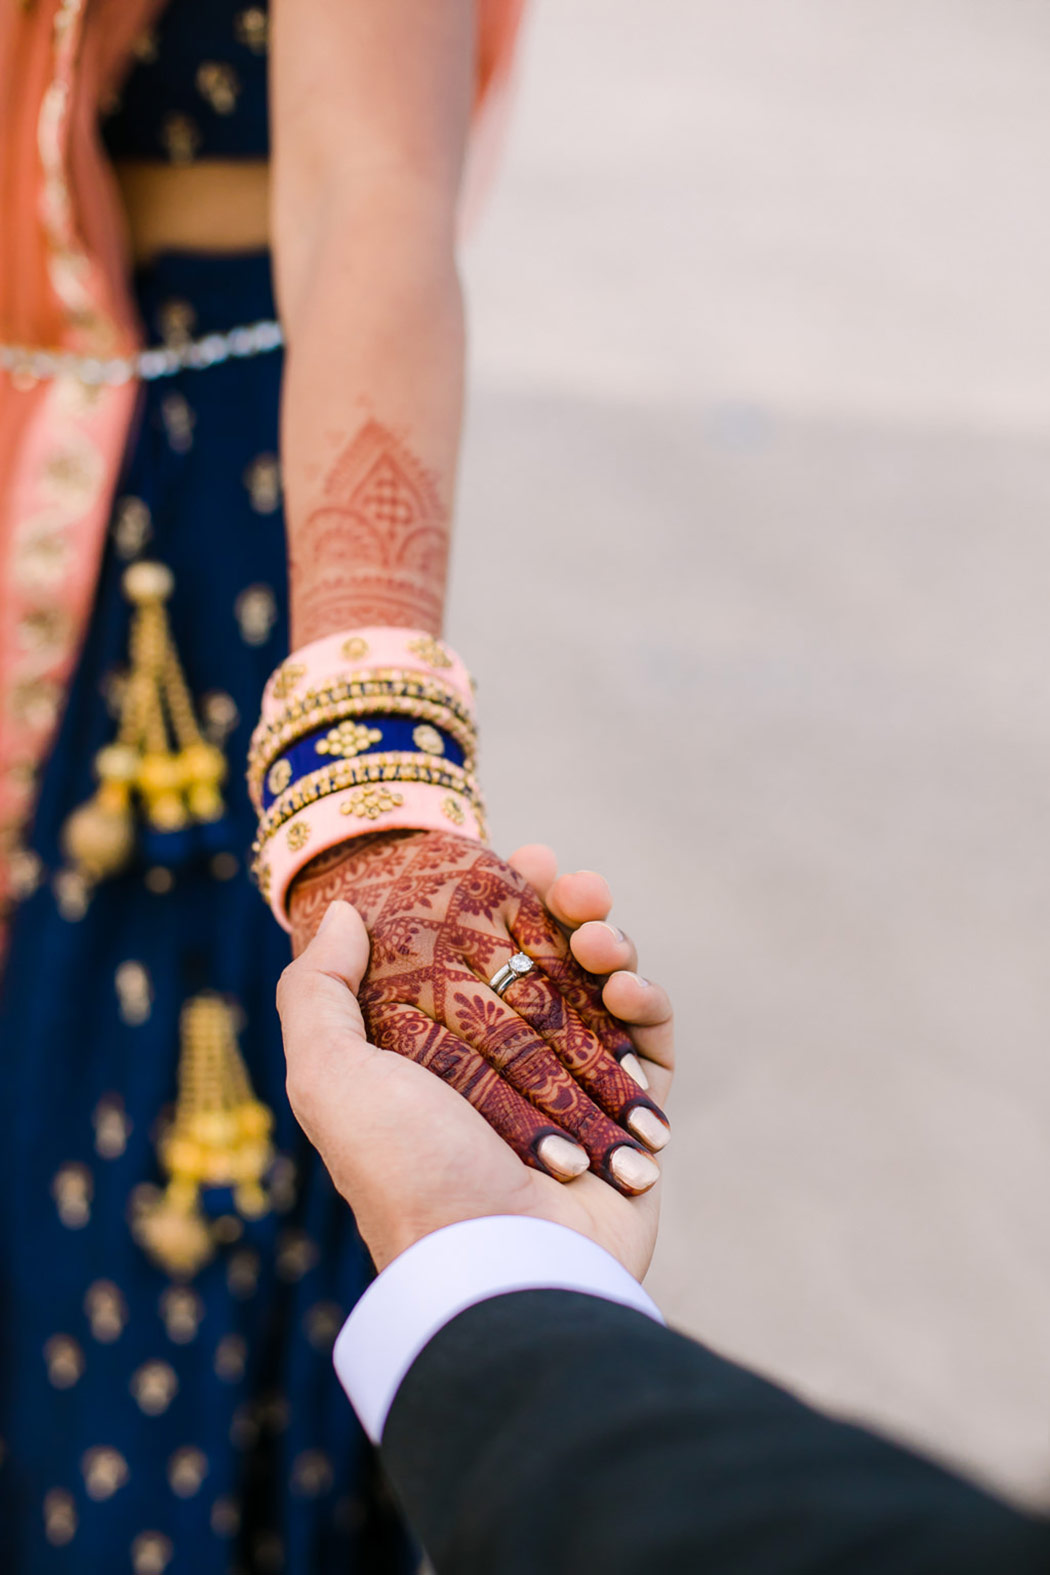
450 1270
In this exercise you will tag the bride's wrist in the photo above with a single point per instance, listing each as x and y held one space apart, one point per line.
362 734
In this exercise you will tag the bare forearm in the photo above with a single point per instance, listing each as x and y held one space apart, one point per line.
371 420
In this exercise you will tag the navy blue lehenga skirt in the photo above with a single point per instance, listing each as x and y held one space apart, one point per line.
148 1426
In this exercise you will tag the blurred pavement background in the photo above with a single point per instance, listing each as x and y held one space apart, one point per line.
754 567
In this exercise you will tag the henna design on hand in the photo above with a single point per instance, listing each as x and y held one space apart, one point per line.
443 914
375 549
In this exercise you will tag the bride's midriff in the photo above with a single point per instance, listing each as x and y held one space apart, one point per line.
217 206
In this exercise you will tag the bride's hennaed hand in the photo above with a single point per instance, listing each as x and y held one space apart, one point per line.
546 1065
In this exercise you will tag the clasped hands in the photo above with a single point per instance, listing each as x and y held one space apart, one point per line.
566 1070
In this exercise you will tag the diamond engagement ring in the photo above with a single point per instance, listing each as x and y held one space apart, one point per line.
518 966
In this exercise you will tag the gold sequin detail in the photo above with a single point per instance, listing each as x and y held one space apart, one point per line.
371 802
242 1273
264 881
153 1387
145 47
65 1361
311 1474
279 776
428 739
453 809
252 29
282 1184
296 1255
181 138
298 835
134 993
43 629
220 714
35 702
151 1553
225 1517
25 872
111 1126
263 481
72 1189
355 649
72 895
105 1471
429 651
176 320
187 1469
106 1310
60 1517
179 421
182 1311
348 739
231 1353
256 612
286 678
132 526
322 1323
219 84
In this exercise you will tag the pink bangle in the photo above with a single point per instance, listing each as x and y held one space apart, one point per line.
334 657
356 812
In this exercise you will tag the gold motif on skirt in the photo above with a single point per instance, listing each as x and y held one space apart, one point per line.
181 1310
263 481
105 1471
72 1189
112 1127
151 1553
60 1517
65 1361
153 1387
107 1311
187 1469
256 612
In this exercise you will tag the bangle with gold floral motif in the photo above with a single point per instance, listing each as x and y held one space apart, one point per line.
369 771
344 704
354 812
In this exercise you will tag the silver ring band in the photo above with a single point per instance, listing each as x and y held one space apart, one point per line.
518 966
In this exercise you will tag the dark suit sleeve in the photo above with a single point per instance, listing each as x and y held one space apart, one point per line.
549 1433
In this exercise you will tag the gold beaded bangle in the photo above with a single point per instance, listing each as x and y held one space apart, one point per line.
389 767
339 702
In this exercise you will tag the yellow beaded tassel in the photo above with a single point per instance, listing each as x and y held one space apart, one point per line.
219 1137
159 754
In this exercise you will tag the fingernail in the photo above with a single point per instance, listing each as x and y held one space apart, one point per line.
646 1124
632 1170
633 1067
333 908
567 1160
641 980
616 934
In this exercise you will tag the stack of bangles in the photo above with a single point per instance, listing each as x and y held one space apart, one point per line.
367 731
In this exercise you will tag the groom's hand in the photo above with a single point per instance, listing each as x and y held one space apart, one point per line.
408 1153
543 1062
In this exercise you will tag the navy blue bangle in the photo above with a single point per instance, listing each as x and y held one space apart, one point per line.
356 739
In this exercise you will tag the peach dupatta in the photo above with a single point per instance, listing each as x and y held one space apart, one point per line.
64 285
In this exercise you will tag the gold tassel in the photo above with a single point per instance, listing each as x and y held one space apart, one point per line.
219 1137
159 756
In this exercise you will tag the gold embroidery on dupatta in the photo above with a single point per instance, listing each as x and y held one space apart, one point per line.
72 471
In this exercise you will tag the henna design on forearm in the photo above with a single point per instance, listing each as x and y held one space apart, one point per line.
443 914
375 549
